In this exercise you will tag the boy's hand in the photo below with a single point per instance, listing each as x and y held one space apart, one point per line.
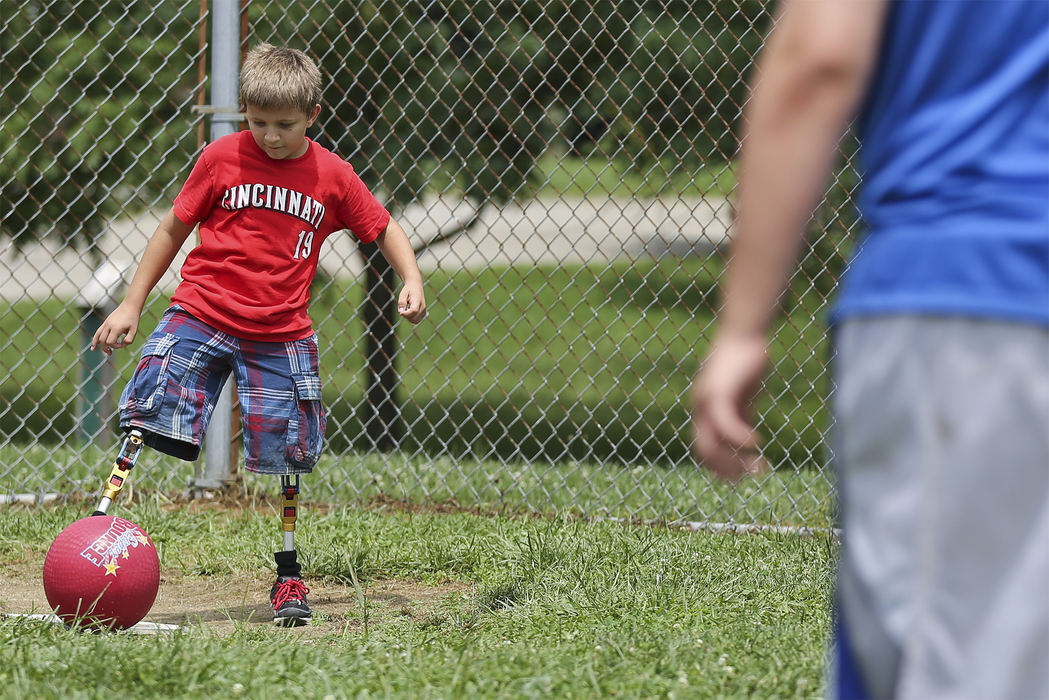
411 304
117 331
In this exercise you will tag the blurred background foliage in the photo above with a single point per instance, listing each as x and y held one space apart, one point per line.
445 97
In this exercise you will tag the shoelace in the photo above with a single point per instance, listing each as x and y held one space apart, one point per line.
291 589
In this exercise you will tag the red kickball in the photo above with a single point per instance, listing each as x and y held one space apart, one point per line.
102 572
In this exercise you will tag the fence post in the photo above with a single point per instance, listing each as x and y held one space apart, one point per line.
94 400
225 71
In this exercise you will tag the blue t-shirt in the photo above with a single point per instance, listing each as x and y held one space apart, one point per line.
955 161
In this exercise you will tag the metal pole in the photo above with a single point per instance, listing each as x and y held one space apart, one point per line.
225 98
94 400
94 404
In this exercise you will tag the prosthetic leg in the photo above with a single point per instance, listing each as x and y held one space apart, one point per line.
289 492
288 595
122 467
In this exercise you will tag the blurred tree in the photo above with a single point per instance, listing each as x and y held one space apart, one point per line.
95 112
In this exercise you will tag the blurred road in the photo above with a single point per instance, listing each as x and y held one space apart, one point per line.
535 232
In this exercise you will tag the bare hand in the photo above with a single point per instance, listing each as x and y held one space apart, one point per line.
411 304
117 331
723 392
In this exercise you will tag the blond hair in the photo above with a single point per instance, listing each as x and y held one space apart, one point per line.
274 77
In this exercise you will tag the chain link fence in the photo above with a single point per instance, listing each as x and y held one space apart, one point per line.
565 171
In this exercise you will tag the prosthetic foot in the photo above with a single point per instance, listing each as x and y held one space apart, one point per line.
288 595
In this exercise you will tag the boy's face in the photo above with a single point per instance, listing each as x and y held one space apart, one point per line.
281 132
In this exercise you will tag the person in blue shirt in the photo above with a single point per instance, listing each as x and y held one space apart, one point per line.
940 329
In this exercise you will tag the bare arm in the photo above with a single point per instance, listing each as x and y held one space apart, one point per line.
811 76
119 329
397 249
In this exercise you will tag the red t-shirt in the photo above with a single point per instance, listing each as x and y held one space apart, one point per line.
262 223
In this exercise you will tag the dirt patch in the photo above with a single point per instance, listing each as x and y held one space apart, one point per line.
220 605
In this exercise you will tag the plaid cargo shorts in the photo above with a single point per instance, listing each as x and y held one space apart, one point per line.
185 363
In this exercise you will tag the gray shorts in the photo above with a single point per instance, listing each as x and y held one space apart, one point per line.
941 443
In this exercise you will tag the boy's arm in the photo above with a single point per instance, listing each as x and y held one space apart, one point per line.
119 329
397 249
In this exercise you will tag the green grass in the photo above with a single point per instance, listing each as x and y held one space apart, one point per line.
548 363
558 175
504 406
686 492
568 176
550 608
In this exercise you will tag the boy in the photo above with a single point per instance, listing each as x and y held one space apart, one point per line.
265 199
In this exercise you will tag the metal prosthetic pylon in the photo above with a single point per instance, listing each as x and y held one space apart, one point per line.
289 491
123 465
